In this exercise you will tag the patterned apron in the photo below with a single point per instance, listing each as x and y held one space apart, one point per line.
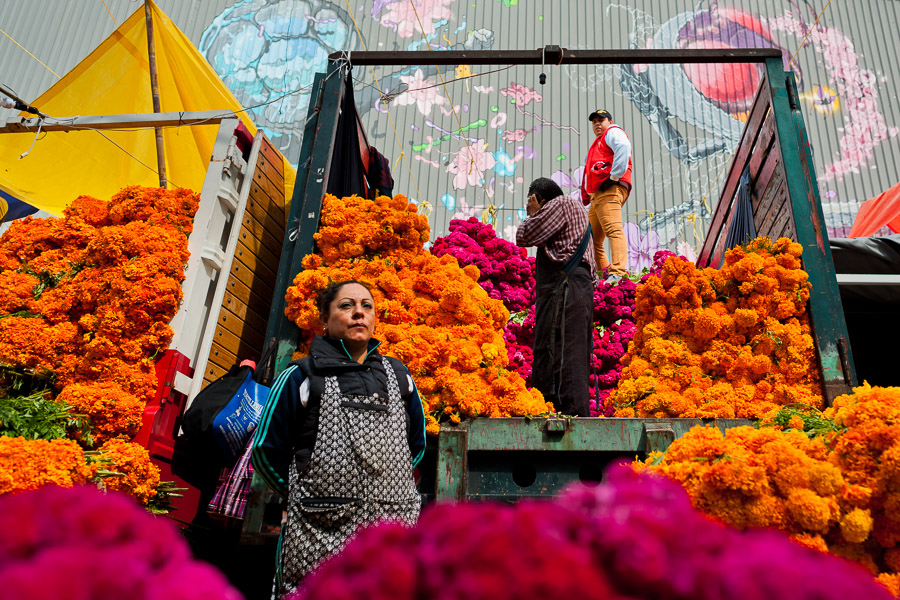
360 472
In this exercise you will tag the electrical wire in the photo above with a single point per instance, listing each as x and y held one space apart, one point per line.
803 41
110 13
427 205
491 210
29 53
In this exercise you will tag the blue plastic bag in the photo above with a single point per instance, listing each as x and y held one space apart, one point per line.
236 422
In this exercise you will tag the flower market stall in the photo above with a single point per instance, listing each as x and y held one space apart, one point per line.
771 149
120 291
686 360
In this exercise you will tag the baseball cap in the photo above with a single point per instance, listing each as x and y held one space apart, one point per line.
600 113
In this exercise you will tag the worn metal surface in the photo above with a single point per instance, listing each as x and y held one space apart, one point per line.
507 459
555 55
306 205
581 434
825 309
452 465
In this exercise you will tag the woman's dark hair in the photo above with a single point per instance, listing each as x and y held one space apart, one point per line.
326 296
545 189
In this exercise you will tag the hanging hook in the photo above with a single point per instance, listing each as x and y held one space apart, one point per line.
542 78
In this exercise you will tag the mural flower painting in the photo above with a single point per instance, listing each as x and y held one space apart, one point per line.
564 181
404 16
466 212
864 124
470 163
522 94
687 251
419 91
640 248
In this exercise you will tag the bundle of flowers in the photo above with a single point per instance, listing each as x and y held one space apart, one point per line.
634 536
613 328
87 299
30 464
432 314
831 480
506 271
729 342
355 227
81 543
89 296
130 470
868 454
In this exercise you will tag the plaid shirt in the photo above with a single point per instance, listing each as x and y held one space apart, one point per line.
559 227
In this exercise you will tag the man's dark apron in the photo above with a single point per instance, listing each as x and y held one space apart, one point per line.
360 472
553 282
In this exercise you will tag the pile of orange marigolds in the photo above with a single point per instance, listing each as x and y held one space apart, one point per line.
89 298
432 314
719 343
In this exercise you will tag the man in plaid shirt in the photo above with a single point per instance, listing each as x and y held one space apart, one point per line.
566 275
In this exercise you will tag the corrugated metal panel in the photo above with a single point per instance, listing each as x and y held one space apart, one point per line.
265 49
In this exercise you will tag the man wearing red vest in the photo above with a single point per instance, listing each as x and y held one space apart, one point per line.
605 187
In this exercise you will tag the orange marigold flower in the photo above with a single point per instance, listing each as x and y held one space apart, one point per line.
30 464
112 411
138 476
856 526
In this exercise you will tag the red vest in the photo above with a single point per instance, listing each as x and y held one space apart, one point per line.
598 165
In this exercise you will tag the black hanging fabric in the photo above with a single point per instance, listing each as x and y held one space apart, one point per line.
381 182
347 175
742 228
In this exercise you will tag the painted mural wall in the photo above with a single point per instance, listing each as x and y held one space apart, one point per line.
466 140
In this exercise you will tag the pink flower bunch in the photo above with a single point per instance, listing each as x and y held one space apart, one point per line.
634 536
507 272
81 543
519 338
610 345
614 301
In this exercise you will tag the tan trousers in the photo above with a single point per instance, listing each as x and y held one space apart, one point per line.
605 215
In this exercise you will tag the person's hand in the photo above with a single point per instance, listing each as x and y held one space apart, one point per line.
533 205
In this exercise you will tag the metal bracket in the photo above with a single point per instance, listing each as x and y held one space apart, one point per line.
556 426
659 436
452 465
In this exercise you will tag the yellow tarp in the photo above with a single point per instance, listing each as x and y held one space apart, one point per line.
115 79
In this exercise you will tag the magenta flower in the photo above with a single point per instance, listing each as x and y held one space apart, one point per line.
634 536
81 543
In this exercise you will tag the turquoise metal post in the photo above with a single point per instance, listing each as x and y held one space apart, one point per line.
829 327
306 205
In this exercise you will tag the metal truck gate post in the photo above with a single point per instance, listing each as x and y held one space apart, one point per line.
306 204
826 312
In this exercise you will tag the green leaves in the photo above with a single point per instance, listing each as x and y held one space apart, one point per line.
814 421
36 418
